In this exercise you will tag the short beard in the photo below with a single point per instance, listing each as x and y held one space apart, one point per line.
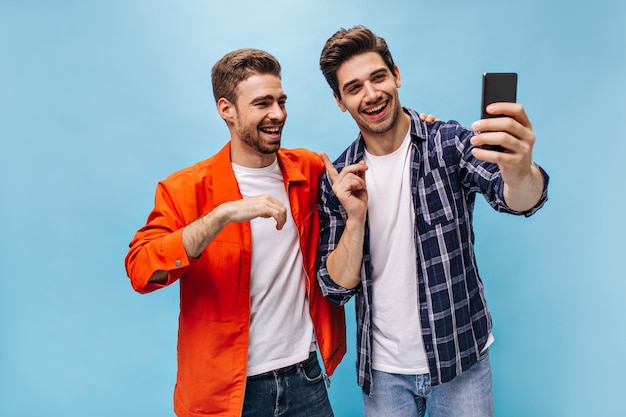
252 140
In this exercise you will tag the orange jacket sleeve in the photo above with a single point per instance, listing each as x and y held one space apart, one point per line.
158 246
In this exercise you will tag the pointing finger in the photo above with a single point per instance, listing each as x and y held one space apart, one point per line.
330 168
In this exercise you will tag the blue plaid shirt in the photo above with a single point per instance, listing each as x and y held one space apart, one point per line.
445 178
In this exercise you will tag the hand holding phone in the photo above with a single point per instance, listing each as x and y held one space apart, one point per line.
497 87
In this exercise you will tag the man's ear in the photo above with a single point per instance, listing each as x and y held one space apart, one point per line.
397 77
339 102
226 109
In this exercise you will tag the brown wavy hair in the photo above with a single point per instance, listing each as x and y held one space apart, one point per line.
345 44
237 66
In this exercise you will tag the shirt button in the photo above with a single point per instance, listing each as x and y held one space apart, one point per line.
177 263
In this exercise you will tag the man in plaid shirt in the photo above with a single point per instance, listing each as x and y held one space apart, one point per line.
396 215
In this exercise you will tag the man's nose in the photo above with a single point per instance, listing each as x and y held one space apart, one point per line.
370 92
277 112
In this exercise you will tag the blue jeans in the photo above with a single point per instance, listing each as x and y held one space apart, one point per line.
468 395
295 391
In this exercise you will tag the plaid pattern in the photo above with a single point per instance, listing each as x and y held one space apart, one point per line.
445 178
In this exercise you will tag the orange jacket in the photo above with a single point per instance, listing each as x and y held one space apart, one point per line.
214 289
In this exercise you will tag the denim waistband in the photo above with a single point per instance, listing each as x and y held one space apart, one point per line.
288 369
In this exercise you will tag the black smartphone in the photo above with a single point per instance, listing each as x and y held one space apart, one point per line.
497 87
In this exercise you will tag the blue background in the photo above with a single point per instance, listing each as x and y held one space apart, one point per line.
101 99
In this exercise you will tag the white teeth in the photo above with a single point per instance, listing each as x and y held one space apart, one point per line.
375 109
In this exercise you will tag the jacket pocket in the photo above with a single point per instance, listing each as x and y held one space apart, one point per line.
213 289
436 200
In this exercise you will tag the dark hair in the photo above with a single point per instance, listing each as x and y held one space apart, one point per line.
345 44
237 66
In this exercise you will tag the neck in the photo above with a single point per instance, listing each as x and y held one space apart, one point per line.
242 155
386 143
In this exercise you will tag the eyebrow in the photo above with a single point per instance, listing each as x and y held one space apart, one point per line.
267 97
352 82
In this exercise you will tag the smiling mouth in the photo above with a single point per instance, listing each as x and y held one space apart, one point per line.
376 110
270 130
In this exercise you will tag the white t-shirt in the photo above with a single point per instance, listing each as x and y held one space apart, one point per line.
397 338
281 329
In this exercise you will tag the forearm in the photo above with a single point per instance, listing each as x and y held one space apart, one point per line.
196 236
525 195
158 277
344 263
162 250
199 233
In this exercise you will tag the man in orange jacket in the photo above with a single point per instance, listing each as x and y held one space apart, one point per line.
240 230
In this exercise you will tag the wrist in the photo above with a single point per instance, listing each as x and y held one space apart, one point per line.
355 223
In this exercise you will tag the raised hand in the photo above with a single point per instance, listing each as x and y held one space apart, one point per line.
428 118
523 181
514 133
199 233
344 263
349 187
259 206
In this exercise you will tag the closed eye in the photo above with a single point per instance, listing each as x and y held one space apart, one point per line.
353 88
